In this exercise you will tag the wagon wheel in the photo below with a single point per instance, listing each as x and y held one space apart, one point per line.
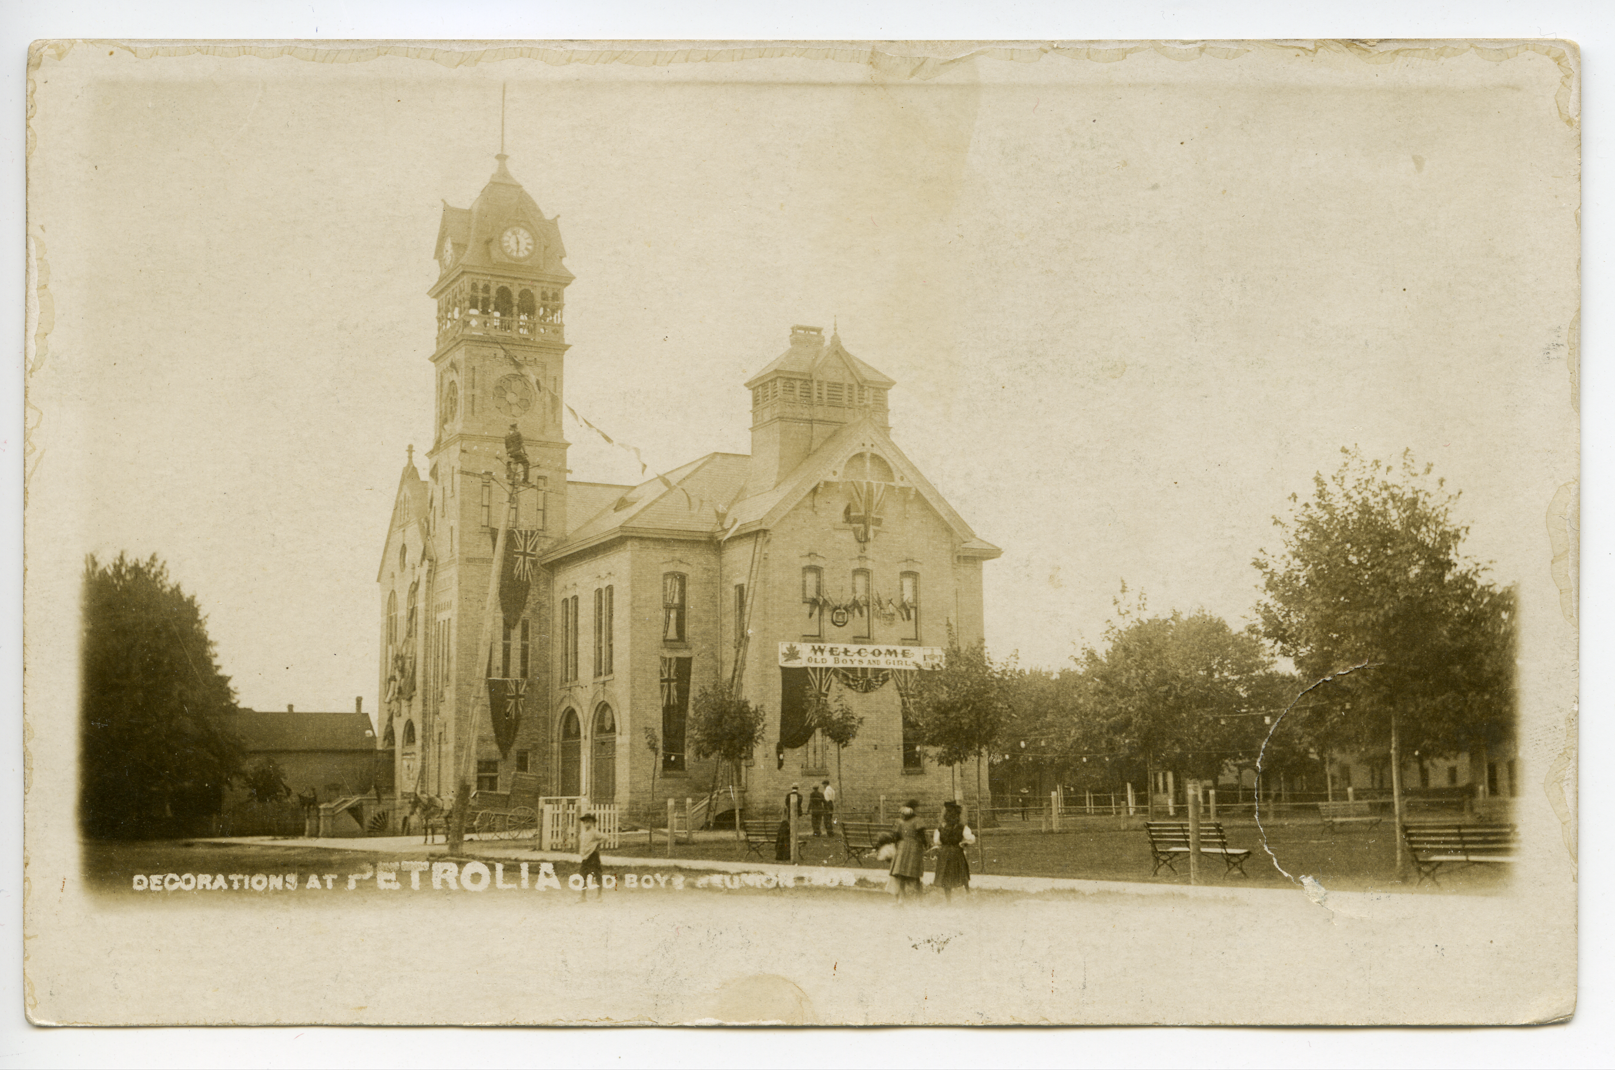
522 823
487 824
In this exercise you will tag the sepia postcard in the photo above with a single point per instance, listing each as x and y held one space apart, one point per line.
841 533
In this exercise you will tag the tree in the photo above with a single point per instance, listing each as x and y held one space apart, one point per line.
1404 641
960 709
154 753
725 726
1179 692
265 782
836 720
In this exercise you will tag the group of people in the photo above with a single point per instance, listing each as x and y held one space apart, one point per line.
905 845
908 842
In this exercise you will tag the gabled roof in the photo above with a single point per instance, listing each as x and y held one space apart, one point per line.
823 465
409 505
692 500
286 730
806 358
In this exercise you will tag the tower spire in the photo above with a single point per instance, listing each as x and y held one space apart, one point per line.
503 86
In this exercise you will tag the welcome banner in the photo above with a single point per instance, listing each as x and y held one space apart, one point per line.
859 656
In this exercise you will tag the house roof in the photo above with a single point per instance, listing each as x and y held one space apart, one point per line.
693 499
409 506
585 500
807 356
824 465
286 730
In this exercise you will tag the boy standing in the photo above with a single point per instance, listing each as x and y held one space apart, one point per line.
589 843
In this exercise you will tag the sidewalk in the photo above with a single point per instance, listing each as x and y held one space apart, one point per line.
844 876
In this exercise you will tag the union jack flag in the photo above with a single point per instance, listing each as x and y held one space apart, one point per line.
523 553
514 690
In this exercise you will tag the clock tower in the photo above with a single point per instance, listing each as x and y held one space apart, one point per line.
497 366
501 340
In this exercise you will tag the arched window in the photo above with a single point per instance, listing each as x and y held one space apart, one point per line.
504 306
863 610
388 738
813 598
409 622
526 309
403 557
603 765
908 605
409 733
392 620
673 607
571 754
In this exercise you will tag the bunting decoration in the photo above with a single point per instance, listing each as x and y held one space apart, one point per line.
862 681
505 709
691 502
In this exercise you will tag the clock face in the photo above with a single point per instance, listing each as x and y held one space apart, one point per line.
451 402
517 242
513 395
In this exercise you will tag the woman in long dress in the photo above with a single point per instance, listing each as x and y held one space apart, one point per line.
952 867
908 861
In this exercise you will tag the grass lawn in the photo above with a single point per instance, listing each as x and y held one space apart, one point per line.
1355 859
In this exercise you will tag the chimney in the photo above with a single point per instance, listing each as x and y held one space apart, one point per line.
358 703
289 708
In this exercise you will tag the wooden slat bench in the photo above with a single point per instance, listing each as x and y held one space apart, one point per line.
1356 812
1434 845
860 838
1169 841
764 834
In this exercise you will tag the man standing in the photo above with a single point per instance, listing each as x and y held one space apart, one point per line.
829 794
816 809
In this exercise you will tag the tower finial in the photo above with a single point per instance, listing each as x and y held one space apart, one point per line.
502 87
412 454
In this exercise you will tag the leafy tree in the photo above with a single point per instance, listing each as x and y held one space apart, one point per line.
1372 597
960 711
1178 691
725 726
833 717
153 751
265 781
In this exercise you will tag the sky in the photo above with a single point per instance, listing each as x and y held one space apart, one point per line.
1131 305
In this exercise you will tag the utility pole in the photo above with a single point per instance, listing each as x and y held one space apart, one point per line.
465 722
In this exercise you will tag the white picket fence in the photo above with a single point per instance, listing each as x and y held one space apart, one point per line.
558 823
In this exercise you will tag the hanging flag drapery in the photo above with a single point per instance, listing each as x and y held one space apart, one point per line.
670 682
794 730
505 708
516 576
863 512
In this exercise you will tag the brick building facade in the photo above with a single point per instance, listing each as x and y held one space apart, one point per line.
614 605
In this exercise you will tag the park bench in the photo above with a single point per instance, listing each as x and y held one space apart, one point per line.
860 838
1356 812
1169 840
1434 845
764 834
